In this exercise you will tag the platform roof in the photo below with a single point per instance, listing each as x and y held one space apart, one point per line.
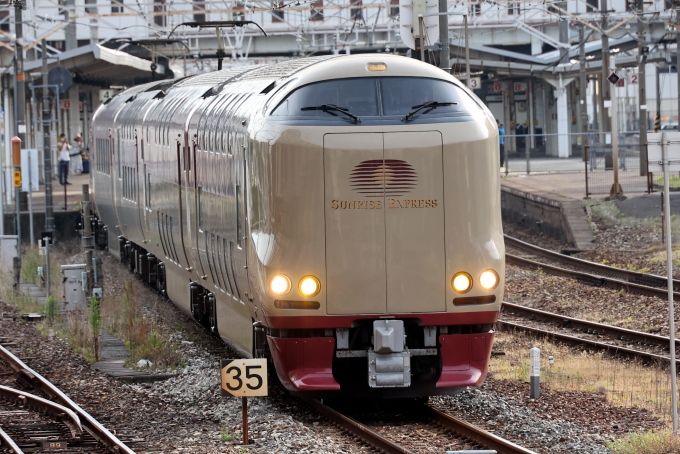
99 65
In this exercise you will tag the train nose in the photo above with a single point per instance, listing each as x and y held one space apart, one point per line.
384 222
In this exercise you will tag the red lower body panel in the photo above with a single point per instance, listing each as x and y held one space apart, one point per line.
465 359
304 364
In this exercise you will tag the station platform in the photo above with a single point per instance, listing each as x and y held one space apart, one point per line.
549 203
551 200
65 204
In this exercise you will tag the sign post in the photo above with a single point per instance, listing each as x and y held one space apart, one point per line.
616 190
244 378
664 155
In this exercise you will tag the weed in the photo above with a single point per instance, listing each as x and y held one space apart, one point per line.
95 325
646 443
225 436
126 318
50 309
30 262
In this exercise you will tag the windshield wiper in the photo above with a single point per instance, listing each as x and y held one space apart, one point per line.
430 105
331 108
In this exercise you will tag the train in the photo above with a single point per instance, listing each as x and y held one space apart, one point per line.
338 215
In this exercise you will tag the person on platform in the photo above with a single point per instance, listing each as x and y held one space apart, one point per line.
86 159
76 156
501 140
64 158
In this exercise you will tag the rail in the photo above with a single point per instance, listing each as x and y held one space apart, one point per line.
462 428
477 434
37 381
616 278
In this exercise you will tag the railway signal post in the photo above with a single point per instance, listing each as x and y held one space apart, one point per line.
245 378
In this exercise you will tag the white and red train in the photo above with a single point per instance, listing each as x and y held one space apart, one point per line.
339 215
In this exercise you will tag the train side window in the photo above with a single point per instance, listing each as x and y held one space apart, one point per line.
161 230
148 191
215 254
208 254
220 263
233 268
227 260
200 208
120 157
239 216
173 248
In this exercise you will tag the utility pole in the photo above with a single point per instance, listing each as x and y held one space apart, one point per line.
677 55
47 149
583 84
444 49
642 90
657 119
20 89
467 52
606 96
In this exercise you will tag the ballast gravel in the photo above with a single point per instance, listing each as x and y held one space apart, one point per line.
187 414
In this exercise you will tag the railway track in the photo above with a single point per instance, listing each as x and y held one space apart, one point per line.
622 341
39 417
591 272
453 427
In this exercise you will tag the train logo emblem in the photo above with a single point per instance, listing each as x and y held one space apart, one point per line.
380 178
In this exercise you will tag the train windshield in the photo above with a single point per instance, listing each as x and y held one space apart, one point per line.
377 97
358 96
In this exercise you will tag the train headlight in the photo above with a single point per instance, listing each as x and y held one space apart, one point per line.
488 280
280 284
309 286
461 282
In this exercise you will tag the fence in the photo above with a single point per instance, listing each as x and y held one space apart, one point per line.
537 153
599 169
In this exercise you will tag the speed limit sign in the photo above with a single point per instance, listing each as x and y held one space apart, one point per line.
244 377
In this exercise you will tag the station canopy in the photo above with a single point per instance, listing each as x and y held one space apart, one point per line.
99 65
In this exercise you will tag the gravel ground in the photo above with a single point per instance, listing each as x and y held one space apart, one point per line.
186 414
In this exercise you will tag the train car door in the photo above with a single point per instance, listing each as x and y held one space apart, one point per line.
139 190
414 222
355 224
239 252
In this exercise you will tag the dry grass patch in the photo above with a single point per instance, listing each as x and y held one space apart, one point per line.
647 443
626 384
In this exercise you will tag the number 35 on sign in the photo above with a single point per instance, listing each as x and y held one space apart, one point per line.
244 377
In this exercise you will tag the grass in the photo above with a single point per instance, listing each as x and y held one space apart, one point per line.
646 443
626 384
125 317
31 260
673 181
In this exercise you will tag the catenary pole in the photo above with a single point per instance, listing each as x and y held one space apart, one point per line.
642 89
47 149
583 84
444 49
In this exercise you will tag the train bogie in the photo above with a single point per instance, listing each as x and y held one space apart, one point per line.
338 215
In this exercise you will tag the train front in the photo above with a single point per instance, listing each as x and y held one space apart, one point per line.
377 230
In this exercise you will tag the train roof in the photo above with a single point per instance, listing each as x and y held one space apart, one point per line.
306 69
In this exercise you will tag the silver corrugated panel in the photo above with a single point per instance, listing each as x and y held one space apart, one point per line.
286 68
215 77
